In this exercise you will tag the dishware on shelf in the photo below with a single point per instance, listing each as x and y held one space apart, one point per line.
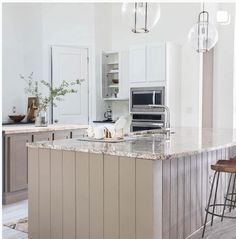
115 81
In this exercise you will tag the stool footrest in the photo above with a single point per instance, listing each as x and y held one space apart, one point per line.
219 215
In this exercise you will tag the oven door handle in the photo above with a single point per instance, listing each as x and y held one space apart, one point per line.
146 124
161 112
153 97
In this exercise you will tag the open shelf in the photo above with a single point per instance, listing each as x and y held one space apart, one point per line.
110 72
113 86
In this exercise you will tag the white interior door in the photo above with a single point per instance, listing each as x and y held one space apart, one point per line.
70 64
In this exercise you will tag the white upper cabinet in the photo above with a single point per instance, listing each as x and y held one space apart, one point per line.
156 63
147 65
137 64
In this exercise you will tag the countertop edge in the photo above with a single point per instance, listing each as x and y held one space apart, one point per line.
144 156
33 129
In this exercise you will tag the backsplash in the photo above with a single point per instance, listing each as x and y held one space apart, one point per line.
119 108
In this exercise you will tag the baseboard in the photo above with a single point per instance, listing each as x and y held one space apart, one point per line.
13 197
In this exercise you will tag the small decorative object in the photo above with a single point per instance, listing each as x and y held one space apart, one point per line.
16 118
99 132
146 15
32 109
116 91
203 35
107 133
53 94
41 119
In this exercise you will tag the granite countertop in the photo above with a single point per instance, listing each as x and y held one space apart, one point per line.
17 129
184 142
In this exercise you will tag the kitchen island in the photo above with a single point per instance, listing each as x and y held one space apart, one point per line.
143 188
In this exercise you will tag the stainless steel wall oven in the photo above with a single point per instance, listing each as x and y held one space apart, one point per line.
145 117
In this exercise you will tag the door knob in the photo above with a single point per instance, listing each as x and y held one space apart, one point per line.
56 121
80 80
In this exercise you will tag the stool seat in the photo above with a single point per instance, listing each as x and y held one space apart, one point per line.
226 166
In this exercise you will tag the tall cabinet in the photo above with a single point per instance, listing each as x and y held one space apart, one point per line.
158 64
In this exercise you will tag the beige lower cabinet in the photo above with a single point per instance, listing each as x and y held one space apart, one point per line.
15 163
45 136
78 133
62 135
15 167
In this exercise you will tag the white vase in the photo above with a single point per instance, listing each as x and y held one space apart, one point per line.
41 119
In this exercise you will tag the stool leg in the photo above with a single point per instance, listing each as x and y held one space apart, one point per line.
235 196
226 197
214 204
231 203
208 204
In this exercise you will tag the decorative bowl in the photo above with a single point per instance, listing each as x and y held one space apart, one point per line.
16 118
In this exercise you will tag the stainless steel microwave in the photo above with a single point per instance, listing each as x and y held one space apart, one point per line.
142 98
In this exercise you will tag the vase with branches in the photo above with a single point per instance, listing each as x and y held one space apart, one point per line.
50 96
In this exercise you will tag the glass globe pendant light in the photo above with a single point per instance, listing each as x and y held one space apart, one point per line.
146 15
203 36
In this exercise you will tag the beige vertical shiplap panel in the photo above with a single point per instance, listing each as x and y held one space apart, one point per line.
181 198
33 174
56 194
205 180
166 199
82 195
193 185
173 199
69 207
199 189
187 198
220 155
127 198
144 199
158 200
210 172
111 197
222 177
96 196
44 194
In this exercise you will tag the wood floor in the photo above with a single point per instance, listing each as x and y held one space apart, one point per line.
220 230
11 213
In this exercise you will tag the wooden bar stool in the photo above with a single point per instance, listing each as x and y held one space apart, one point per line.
222 166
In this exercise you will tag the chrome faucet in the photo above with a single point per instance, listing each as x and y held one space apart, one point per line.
167 117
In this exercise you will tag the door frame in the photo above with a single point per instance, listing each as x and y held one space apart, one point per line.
88 48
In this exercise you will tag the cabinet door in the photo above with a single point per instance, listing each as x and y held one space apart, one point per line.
47 136
17 162
78 133
124 75
137 64
62 135
156 63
